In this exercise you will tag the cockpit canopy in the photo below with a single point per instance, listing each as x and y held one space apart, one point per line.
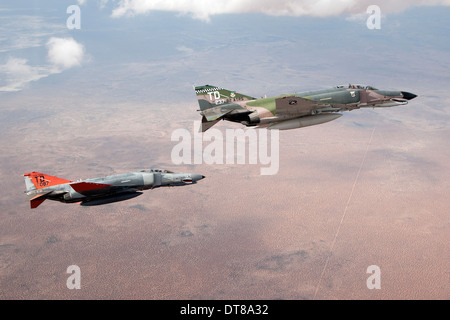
358 86
157 170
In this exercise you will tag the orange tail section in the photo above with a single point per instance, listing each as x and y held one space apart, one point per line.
41 180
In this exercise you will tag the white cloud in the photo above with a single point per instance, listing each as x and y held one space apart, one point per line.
65 53
204 9
17 73
185 49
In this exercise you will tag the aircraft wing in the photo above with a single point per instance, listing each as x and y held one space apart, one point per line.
90 187
292 105
36 200
93 189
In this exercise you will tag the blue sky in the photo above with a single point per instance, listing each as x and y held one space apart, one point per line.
252 50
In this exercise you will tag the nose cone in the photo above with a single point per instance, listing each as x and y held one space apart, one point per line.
197 177
408 95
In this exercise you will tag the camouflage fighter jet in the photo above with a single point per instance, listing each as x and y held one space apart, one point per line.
97 191
291 111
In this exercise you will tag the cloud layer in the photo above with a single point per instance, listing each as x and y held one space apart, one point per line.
63 53
204 9
16 72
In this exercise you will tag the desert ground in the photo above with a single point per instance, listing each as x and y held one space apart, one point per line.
370 188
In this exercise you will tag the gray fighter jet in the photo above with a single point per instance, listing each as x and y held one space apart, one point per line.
291 111
97 191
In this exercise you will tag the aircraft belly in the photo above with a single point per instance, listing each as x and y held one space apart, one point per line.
110 199
73 196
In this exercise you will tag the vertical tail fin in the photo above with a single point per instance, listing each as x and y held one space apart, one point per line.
29 184
215 96
216 102
36 181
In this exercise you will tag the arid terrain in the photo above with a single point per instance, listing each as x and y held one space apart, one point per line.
367 189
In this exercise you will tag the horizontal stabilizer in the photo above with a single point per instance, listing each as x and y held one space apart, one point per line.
217 103
37 200
35 203
217 112
88 186
207 124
